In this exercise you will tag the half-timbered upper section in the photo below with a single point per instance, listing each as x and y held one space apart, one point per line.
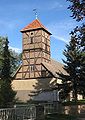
36 36
36 50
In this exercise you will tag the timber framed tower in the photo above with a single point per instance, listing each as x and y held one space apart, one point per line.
36 50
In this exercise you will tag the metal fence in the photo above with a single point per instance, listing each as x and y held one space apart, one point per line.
52 107
29 112
22 113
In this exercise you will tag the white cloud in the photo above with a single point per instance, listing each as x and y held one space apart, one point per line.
18 50
60 38
60 30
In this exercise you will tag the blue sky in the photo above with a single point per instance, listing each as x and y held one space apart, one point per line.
16 14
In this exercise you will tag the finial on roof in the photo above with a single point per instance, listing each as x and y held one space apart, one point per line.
35 11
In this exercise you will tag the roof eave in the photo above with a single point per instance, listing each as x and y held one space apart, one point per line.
49 71
27 30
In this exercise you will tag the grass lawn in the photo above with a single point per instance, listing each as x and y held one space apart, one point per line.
57 116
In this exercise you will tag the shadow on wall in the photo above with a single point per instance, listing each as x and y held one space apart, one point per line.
45 90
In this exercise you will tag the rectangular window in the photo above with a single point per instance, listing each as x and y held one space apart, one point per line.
32 68
46 44
31 40
43 73
46 47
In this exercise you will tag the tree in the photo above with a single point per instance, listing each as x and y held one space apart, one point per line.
80 33
7 95
1 50
15 58
77 8
72 65
75 53
78 12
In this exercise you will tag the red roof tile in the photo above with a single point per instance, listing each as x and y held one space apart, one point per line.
34 25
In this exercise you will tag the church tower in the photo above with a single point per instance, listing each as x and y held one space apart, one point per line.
37 73
36 50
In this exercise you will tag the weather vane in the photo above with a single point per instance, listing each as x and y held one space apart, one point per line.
35 11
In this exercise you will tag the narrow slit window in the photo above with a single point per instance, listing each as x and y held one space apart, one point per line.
46 45
31 40
32 68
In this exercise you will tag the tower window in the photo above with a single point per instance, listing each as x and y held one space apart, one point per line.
31 33
43 73
32 68
46 47
31 40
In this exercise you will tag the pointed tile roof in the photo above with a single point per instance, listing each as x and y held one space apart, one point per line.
36 24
